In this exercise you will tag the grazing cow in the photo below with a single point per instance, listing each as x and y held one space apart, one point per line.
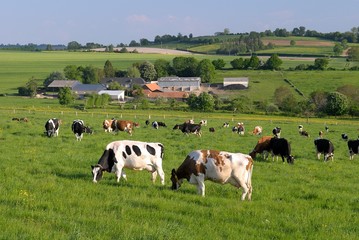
107 125
240 127
155 125
276 132
162 124
147 122
24 119
203 122
122 125
280 146
257 130
217 166
211 129
178 126
226 124
234 129
133 155
320 135
353 146
326 128
52 127
262 147
78 128
188 128
326 147
302 132
15 119
345 137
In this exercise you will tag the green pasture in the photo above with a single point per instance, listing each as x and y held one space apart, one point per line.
47 189
299 50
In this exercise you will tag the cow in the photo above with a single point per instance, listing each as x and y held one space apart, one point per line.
147 122
52 127
326 128
155 124
302 132
257 130
178 126
234 129
107 125
320 135
324 146
122 125
190 121
78 128
24 119
162 124
188 128
240 127
262 147
133 155
353 146
345 136
218 166
136 125
281 146
276 132
15 119
203 122
211 129
226 124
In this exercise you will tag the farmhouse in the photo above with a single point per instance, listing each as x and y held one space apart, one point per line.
235 83
114 94
184 84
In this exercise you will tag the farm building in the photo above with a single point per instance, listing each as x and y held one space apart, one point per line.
55 85
239 83
82 89
123 81
184 84
114 94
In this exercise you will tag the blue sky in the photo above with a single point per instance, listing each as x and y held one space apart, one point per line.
119 21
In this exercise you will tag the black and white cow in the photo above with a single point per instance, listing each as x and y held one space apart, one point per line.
188 128
281 147
52 127
155 124
133 155
324 146
345 136
353 146
162 124
78 128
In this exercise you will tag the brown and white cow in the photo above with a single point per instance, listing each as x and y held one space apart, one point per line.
262 147
217 166
122 125
133 155
257 130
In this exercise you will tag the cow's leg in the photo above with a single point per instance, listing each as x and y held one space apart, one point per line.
118 172
123 174
154 176
318 155
162 175
201 188
245 188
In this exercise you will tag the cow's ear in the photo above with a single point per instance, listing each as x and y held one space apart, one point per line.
173 172
92 166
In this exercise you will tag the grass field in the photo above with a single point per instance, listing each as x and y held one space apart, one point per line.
47 191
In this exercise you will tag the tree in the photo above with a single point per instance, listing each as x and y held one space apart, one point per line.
162 67
285 99
108 69
73 45
337 104
253 63
31 87
292 43
319 99
133 72
65 96
206 70
72 72
353 54
321 63
90 75
185 66
204 102
53 76
219 63
338 49
273 63
237 63
148 71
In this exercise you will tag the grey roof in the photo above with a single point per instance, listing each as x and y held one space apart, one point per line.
63 83
88 88
236 81
179 82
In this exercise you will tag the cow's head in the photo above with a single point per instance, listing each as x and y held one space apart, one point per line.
176 183
105 163
290 159
88 130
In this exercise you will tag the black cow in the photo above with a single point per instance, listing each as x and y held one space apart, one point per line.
188 128
280 146
211 129
147 122
162 124
52 127
353 146
276 132
78 128
345 136
324 146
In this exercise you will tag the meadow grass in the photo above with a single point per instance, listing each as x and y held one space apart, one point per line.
47 190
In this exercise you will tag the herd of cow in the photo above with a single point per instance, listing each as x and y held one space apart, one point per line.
199 165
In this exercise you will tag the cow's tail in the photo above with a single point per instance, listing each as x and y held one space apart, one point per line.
249 175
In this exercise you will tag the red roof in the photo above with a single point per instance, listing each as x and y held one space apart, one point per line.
153 87
178 95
